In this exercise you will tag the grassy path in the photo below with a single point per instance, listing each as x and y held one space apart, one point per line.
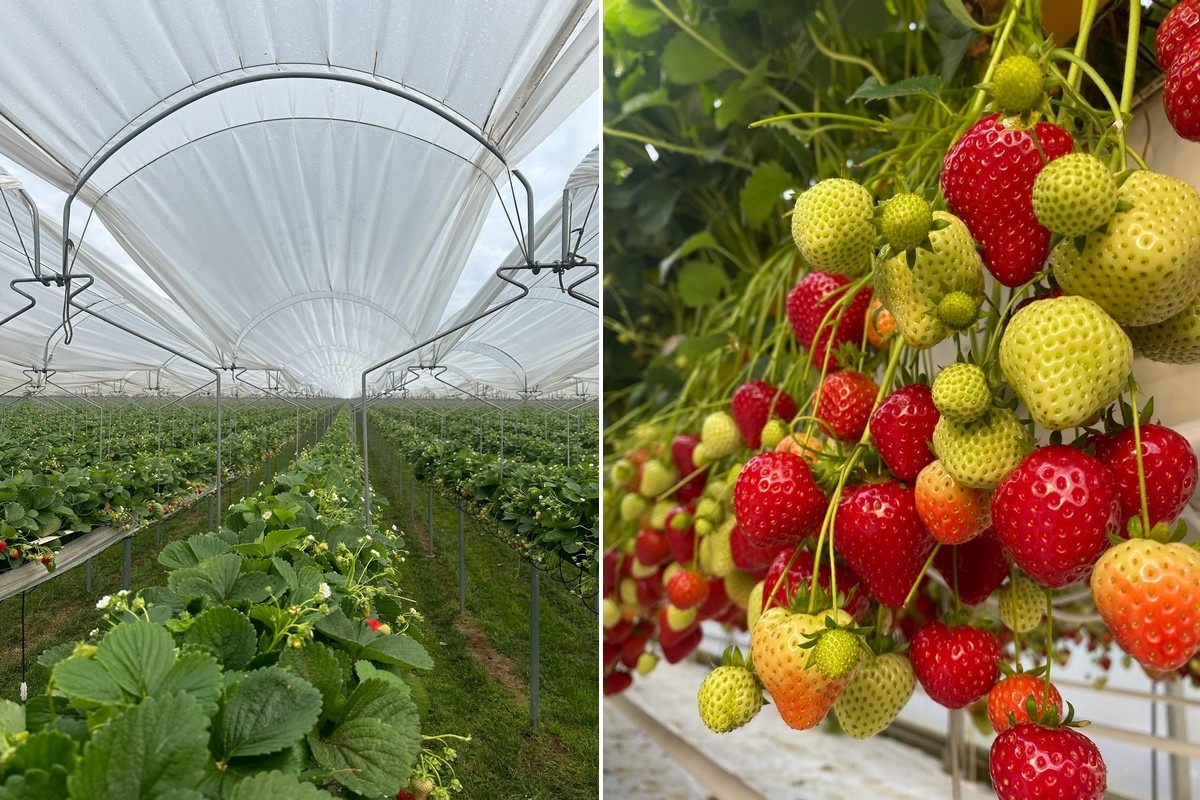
480 683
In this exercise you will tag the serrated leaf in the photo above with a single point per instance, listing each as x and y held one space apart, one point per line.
85 679
378 698
137 655
398 650
35 784
318 665
700 283
762 195
368 756
45 750
195 674
699 345
632 18
251 587
269 709
686 61
273 786
159 745
870 89
697 241
227 633
12 717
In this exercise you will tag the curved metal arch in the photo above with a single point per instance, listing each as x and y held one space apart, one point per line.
255 69
288 302
401 92
488 351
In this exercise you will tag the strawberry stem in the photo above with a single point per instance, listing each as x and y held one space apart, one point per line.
1087 17
1137 450
1131 51
913 591
997 53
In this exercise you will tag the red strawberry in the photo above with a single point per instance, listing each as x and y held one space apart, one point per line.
651 547
1180 26
902 428
776 501
614 683
799 576
1029 762
650 589
754 403
374 624
682 448
668 636
982 565
405 794
1053 513
1010 695
957 666
987 179
748 555
842 403
880 535
807 305
679 649
681 534
616 567
1181 92
718 601
687 589
1170 467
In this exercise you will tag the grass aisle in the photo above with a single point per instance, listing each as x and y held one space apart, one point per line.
480 681
62 610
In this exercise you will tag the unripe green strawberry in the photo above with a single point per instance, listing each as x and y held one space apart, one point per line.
700 455
1075 194
1172 341
1022 605
612 613
739 585
912 295
716 552
979 454
905 220
837 653
628 592
1017 84
754 605
1066 360
632 507
773 433
1144 267
704 526
719 489
831 226
646 663
960 392
958 310
679 619
659 513
656 478
876 695
719 436
711 510
729 698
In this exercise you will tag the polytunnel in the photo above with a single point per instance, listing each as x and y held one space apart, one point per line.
218 220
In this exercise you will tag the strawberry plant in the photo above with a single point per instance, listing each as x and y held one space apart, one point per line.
924 223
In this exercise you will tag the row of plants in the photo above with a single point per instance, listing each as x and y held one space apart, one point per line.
880 271
548 511
56 484
527 432
274 663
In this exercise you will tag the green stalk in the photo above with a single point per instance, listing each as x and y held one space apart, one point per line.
1141 464
1131 51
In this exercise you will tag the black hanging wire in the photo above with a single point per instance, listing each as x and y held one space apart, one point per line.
24 684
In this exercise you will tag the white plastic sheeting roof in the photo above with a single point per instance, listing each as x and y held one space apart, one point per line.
535 343
300 224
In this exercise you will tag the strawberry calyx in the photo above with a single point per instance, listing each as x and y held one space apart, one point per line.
835 650
1049 717
1011 670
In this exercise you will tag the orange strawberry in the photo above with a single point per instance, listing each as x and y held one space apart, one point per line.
1148 593
952 513
803 695
808 447
1011 695
880 323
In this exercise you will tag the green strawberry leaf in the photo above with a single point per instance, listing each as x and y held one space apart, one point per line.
273 785
227 633
871 89
268 710
155 747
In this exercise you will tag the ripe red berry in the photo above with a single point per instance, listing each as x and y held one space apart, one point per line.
880 535
978 566
987 179
842 403
1053 513
1180 26
687 589
651 547
809 303
776 500
957 666
1181 92
902 429
1029 762
1170 470
756 402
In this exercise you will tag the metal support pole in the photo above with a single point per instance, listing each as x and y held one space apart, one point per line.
534 609
87 581
1181 777
956 734
220 471
430 531
462 565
